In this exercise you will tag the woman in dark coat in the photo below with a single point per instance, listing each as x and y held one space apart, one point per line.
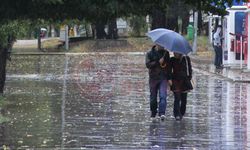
181 74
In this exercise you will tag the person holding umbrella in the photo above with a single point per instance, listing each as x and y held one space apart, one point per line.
179 66
180 82
157 62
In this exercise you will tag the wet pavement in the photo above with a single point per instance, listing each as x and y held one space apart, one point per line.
101 101
234 73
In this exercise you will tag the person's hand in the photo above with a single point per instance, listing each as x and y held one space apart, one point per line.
170 82
161 60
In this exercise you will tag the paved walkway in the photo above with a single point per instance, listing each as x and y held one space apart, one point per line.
100 101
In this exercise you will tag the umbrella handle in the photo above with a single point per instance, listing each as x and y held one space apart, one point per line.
163 65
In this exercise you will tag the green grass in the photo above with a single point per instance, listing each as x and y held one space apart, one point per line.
130 44
2 100
3 119
47 46
134 44
202 42
3 103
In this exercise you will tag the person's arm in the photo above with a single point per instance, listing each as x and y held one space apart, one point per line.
170 69
150 63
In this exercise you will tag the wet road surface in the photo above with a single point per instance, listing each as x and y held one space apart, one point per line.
101 101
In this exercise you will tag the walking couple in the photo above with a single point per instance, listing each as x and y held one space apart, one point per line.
164 71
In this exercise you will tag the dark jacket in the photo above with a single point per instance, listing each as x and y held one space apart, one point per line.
181 72
156 71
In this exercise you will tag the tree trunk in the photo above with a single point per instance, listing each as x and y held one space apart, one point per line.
39 46
52 27
100 31
158 19
199 18
185 22
200 25
3 60
172 24
87 30
93 29
4 55
112 29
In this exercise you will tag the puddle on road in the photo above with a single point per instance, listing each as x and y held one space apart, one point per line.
101 101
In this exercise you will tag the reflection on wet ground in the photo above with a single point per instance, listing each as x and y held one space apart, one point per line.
233 73
100 101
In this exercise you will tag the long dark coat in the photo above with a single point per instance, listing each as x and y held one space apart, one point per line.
181 71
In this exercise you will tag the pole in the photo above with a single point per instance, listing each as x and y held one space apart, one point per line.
241 51
180 24
147 20
248 42
195 32
210 30
52 31
66 37
39 39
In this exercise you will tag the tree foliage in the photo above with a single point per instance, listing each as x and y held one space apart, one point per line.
98 12
212 6
13 28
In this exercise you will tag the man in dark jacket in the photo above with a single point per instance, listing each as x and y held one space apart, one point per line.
157 60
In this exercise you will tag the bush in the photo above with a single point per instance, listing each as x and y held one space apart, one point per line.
138 25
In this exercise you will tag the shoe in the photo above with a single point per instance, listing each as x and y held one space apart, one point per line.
219 67
177 118
153 115
163 117
154 119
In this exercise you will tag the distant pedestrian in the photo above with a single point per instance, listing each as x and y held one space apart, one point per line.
157 62
181 76
217 43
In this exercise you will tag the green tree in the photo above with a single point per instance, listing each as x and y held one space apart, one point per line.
13 20
138 25
9 30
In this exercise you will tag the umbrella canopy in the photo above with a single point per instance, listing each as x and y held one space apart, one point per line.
170 40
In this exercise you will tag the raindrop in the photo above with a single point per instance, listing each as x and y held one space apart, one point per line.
156 146
29 135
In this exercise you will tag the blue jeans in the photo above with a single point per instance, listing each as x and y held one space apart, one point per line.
218 56
155 87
